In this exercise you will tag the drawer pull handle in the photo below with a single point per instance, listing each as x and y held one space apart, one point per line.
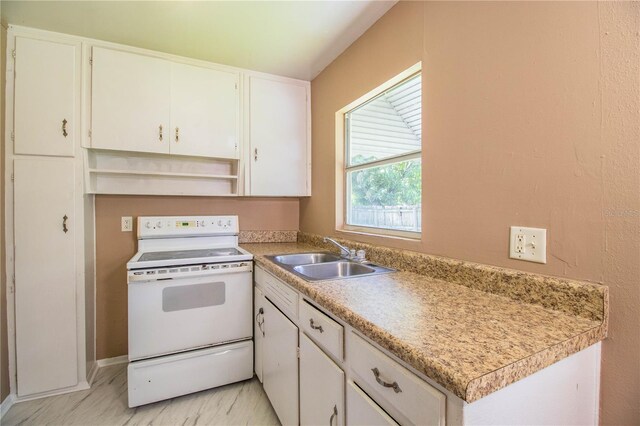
64 224
64 128
260 320
393 385
315 327
160 133
334 414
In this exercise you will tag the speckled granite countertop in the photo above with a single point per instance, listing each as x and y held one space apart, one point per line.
470 341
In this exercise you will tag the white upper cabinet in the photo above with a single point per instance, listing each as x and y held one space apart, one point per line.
204 112
130 102
46 98
146 104
279 124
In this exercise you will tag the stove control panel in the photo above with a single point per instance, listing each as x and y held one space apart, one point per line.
186 226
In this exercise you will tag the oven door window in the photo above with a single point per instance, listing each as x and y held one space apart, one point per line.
193 296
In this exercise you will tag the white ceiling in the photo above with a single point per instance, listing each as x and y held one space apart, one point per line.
292 38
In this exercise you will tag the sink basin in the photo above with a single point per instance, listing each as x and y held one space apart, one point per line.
321 266
333 270
305 258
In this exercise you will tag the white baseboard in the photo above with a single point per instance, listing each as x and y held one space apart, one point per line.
83 385
6 404
105 362
92 373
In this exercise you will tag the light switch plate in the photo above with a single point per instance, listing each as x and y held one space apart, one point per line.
528 244
127 224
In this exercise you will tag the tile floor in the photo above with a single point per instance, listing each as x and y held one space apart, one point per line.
243 403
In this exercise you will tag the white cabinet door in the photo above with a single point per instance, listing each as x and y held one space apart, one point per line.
45 272
278 132
280 364
363 411
130 102
258 330
204 112
321 387
45 100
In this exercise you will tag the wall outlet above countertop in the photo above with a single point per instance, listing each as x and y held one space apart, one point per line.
528 244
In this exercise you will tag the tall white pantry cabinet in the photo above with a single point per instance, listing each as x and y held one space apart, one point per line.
49 220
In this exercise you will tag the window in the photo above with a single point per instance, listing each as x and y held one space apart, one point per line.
383 166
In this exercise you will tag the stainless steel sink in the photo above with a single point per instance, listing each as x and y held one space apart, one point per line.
333 270
325 266
305 258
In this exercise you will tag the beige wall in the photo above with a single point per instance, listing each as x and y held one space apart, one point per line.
114 248
531 116
4 343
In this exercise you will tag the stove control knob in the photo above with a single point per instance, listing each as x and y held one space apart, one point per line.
159 224
219 223
229 222
148 225
203 223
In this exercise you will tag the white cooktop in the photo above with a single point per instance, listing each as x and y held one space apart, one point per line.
165 241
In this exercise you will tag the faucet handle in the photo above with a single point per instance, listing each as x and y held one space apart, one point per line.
361 256
352 253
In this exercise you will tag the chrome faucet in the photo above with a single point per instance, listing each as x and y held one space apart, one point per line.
340 246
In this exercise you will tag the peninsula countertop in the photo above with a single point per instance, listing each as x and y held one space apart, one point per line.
470 341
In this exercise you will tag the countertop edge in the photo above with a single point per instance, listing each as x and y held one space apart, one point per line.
501 378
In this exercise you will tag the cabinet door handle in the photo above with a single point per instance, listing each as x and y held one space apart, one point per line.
177 134
160 133
255 154
393 385
334 414
64 127
64 224
315 327
260 320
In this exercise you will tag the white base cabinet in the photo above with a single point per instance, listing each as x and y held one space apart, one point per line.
382 390
280 364
393 386
321 387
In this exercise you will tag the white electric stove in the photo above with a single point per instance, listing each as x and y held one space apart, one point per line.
190 307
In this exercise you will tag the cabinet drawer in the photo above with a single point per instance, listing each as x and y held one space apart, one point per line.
322 329
363 411
417 400
284 297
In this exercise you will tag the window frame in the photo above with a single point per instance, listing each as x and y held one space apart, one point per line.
343 166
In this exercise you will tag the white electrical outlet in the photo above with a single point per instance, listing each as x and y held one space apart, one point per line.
127 224
528 244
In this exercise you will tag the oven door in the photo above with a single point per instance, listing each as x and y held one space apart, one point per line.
178 314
